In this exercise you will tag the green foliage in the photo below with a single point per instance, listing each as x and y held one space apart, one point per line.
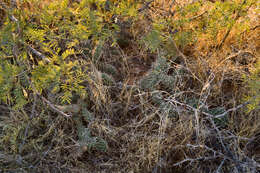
254 88
150 81
107 79
12 137
109 69
85 138
7 79
199 21
168 81
41 52
153 40
87 116
166 108
221 122
55 31
157 75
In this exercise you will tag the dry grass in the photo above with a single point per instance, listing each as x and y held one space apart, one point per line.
165 129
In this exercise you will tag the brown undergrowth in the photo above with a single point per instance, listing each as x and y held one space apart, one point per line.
178 105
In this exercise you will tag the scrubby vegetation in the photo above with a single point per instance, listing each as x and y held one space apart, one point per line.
129 86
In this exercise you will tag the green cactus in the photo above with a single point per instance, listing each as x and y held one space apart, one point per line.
109 69
107 79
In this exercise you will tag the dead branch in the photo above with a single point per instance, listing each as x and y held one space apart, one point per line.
54 107
37 53
195 159
240 52
235 108
216 154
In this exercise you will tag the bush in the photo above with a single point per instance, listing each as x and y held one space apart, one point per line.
129 86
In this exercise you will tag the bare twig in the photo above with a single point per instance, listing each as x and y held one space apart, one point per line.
226 149
54 107
215 154
220 166
37 53
203 98
205 113
34 97
195 159
12 18
233 56
145 6
250 163
199 15
238 165
171 100
235 108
